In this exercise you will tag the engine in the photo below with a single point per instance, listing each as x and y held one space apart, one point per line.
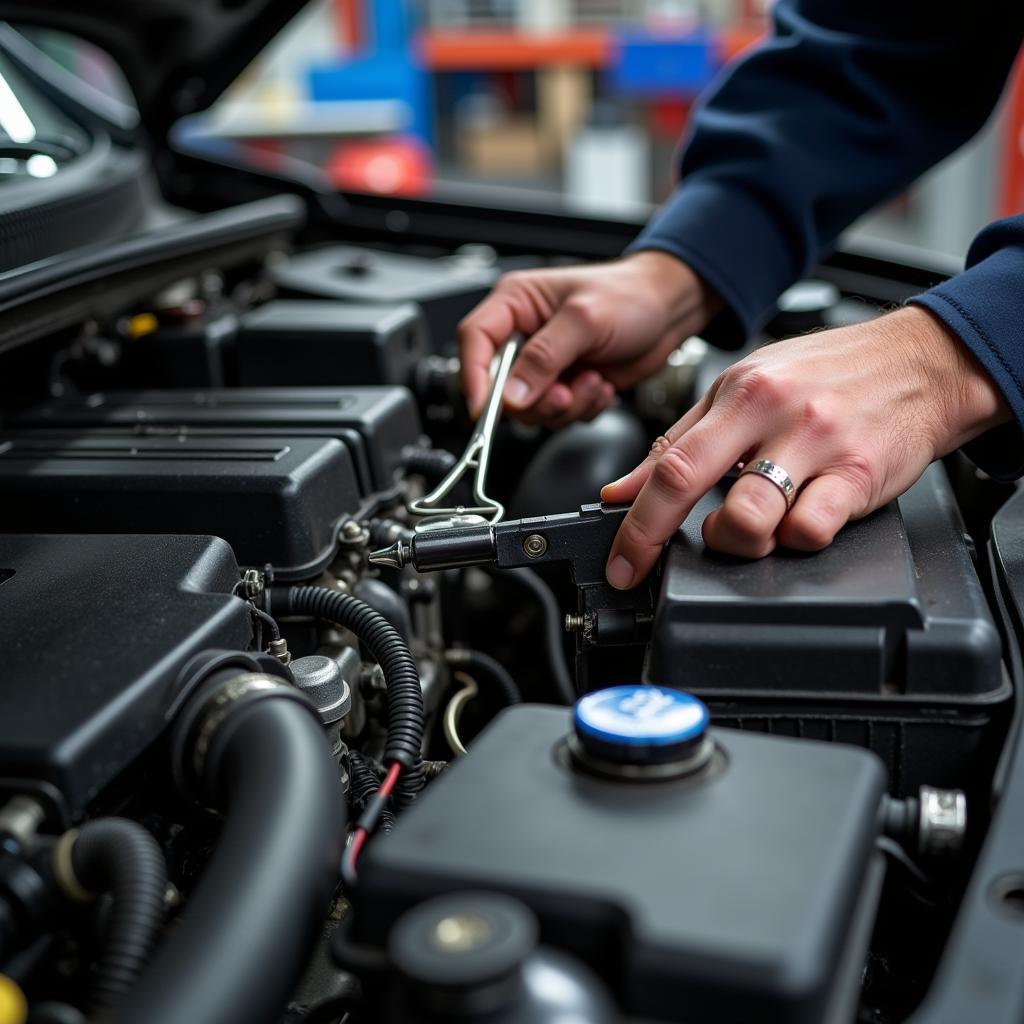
250 773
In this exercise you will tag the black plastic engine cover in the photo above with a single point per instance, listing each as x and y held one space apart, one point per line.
445 289
294 341
375 423
725 899
274 500
95 631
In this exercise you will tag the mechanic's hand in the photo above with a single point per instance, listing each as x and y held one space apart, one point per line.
854 416
589 330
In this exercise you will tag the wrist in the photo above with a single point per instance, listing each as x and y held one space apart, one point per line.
968 400
689 302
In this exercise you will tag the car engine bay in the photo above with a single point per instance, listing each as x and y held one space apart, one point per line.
253 770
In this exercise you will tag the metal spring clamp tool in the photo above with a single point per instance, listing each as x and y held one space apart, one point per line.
475 458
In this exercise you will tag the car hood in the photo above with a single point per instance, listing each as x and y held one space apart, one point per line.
178 55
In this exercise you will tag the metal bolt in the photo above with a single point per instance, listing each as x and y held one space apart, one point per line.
351 530
279 649
574 623
252 583
535 545
172 897
21 818
942 824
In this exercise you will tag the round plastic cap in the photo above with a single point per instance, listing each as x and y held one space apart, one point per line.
640 724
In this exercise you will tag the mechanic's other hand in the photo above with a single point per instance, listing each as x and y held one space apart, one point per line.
589 330
853 415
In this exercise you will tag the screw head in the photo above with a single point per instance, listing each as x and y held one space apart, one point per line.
535 545
351 530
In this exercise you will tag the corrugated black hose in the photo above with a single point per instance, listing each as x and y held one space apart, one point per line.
363 783
401 676
119 856
432 463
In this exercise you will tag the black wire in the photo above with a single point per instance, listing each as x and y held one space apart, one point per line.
363 782
562 676
925 888
267 620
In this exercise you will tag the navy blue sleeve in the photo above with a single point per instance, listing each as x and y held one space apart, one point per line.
984 306
846 104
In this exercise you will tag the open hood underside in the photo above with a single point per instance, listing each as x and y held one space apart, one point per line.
178 55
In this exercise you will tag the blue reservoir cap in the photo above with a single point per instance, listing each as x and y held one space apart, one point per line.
640 724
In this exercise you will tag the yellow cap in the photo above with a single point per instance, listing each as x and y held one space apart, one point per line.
140 325
13 1005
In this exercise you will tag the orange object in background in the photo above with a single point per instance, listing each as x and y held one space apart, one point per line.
474 50
737 39
1011 185
398 165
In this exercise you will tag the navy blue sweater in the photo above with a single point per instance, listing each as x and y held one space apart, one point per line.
846 104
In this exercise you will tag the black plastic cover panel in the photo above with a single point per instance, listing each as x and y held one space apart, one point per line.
445 289
692 899
375 423
274 500
95 630
304 342
893 608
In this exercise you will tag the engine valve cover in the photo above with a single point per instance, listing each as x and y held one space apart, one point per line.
275 500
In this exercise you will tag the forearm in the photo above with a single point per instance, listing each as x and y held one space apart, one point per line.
845 105
984 308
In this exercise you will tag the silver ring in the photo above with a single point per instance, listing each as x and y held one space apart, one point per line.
778 476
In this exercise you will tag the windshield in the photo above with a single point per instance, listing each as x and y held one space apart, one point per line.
36 140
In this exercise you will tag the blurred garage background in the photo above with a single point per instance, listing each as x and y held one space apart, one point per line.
554 104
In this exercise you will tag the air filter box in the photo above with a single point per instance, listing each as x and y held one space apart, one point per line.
307 342
95 631
274 500
884 639
744 893
375 423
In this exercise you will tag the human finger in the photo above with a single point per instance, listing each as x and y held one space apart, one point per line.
745 525
677 479
822 509
586 389
627 487
551 350
485 330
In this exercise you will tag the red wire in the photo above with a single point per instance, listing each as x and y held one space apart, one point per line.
390 780
358 840
360 835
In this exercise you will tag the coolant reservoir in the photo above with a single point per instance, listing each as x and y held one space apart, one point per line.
704 874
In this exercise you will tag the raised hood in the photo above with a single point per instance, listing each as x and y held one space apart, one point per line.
178 55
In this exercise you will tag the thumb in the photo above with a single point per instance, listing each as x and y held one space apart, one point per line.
552 350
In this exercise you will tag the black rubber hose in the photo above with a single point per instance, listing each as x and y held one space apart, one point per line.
433 463
384 532
401 676
248 928
118 856
486 669
363 783
560 672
